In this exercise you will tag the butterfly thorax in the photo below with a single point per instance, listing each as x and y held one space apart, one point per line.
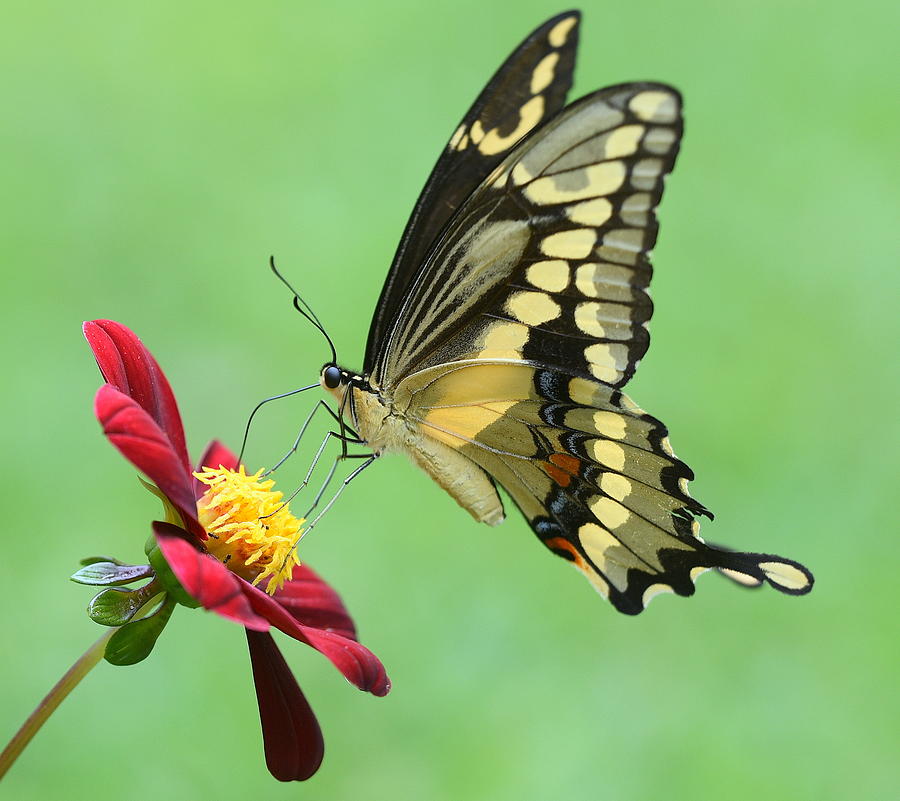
363 406
385 427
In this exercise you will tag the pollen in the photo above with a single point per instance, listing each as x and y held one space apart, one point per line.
251 529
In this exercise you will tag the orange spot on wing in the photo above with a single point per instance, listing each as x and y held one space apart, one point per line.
566 550
562 467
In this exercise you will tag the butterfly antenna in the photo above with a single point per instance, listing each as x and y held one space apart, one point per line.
306 311
259 406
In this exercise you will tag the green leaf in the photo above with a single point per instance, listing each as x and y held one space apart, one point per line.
134 641
115 606
100 573
91 560
168 579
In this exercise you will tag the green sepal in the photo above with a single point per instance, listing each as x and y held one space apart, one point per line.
92 560
106 573
115 606
134 641
169 582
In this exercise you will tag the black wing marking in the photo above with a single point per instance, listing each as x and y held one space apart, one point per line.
529 87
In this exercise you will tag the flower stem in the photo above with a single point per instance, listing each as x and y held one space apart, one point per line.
51 701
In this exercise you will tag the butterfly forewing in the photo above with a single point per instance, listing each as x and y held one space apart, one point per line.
529 88
548 259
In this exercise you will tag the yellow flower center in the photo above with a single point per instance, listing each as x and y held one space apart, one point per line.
250 528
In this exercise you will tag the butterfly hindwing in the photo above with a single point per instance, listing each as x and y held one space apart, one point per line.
529 88
593 474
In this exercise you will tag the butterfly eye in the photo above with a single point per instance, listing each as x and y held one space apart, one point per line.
331 375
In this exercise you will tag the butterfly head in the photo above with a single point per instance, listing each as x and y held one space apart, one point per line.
332 376
344 386
335 380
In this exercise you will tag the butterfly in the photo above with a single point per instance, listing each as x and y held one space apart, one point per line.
514 312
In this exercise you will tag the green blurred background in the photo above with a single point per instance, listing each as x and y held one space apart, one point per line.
154 156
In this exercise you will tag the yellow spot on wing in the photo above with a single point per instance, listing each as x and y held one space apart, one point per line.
609 454
457 136
612 425
654 106
616 486
786 575
574 244
577 184
623 141
605 373
591 278
552 276
590 212
583 392
741 578
543 73
520 174
603 320
609 512
504 341
600 546
529 115
532 308
653 590
586 320
560 32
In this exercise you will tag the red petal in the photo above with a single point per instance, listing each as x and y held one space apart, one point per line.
131 368
206 579
218 455
215 455
358 664
313 602
291 734
140 440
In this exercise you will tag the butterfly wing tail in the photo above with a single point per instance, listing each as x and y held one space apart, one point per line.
752 569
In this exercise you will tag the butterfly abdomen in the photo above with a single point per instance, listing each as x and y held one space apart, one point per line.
385 429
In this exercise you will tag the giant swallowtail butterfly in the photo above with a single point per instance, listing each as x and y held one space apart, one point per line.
514 312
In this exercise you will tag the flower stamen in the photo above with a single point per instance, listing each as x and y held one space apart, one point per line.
232 511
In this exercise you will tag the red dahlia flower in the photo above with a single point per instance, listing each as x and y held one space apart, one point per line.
224 533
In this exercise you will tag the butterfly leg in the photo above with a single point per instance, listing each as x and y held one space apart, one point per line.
330 476
369 458
263 403
303 484
345 441
293 449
